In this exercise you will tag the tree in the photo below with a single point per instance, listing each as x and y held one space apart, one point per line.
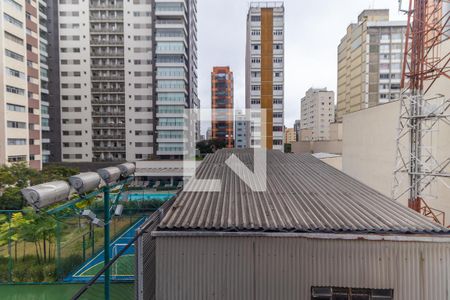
11 199
287 148
210 146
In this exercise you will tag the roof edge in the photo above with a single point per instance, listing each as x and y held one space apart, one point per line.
430 238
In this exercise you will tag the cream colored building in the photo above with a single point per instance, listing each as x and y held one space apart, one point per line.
369 62
289 136
317 113
20 82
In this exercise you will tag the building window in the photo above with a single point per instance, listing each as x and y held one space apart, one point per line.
13 55
15 107
13 38
256 46
16 142
255 101
14 4
15 90
256 87
278 46
278 87
277 60
12 20
256 60
255 18
17 158
16 124
325 293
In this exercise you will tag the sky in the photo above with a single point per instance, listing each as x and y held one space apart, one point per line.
313 30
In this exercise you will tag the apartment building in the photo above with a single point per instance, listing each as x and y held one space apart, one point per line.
289 136
265 74
240 130
222 105
317 113
128 69
369 62
20 106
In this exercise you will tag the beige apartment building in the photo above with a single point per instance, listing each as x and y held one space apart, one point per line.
20 132
289 136
369 62
317 113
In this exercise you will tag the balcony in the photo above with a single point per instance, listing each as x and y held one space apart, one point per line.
109 148
108 78
108 102
108 125
105 18
109 66
108 113
108 90
106 30
108 137
106 42
107 54
105 6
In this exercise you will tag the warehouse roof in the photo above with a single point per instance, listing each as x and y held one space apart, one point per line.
303 195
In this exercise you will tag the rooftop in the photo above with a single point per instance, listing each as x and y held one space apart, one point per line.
303 195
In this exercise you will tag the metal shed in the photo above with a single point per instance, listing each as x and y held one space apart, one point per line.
316 233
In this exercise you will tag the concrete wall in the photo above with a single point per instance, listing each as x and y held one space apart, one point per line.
369 152
287 267
334 147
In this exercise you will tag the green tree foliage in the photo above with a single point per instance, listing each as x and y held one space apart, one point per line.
210 146
287 148
11 198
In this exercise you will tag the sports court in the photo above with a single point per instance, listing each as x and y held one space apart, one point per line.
122 269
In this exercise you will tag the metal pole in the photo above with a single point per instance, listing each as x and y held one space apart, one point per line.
106 245
58 251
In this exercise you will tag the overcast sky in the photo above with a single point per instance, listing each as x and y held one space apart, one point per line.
313 31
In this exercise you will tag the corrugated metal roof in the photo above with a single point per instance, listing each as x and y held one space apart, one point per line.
303 195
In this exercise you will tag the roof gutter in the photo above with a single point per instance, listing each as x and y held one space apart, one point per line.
432 238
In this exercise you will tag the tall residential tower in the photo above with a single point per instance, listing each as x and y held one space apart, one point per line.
23 80
222 105
265 74
128 69
317 113
369 62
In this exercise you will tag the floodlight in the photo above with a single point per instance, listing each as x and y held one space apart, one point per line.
89 214
98 222
119 209
110 174
46 194
85 182
127 169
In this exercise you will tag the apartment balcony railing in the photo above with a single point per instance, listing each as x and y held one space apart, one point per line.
109 66
108 113
108 137
107 42
108 78
106 29
107 54
108 102
169 22
104 6
108 90
95 159
108 125
108 148
106 18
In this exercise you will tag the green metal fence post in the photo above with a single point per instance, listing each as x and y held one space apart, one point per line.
58 250
9 249
84 247
106 191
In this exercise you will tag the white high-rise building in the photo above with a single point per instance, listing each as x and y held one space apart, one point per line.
128 68
265 74
317 113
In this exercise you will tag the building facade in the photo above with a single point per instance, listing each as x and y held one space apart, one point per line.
317 113
297 130
265 74
240 130
289 136
22 44
127 70
369 62
222 105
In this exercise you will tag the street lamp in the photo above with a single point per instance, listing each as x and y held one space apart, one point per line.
46 194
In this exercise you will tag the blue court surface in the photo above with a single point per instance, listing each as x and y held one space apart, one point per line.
122 269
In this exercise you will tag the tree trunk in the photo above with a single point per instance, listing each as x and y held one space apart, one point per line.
15 251
37 252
